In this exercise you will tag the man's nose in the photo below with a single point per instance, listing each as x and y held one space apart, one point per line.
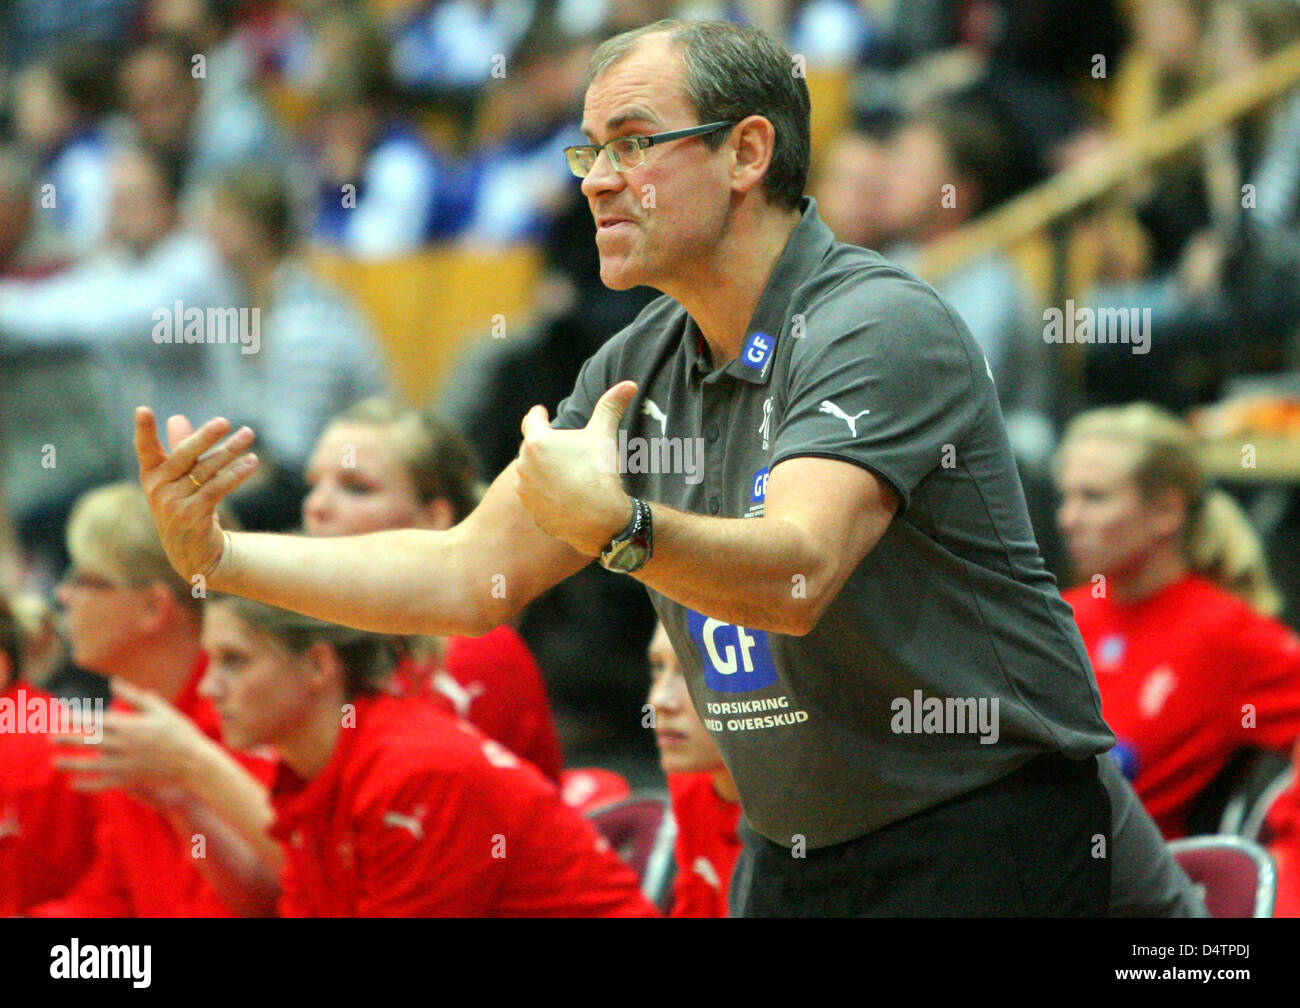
209 685
602 177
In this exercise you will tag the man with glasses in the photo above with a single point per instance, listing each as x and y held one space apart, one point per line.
853 551
130 617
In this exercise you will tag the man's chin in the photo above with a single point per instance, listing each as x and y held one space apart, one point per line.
618 279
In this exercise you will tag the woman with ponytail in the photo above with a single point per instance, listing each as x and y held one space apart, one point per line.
1175 607
388 806
380 465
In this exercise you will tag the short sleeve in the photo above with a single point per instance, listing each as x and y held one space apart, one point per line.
1267 654
882 377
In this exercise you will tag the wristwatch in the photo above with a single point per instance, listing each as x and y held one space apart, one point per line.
630 549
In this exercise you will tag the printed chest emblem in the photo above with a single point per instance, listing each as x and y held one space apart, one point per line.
703 867
735 658
1155 691
1110 652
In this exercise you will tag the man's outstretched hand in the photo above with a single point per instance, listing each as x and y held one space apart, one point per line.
569 479
185 487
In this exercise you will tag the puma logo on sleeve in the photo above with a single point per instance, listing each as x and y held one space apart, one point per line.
412 823
852 421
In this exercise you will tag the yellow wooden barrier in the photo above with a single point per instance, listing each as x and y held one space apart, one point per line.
427 306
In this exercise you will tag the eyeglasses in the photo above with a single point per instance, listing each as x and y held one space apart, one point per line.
93 582
629 151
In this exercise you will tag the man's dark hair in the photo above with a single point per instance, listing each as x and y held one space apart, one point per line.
11 642
263 194
83 72
980 146
732 72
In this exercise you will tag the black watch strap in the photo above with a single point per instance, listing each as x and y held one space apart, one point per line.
632 548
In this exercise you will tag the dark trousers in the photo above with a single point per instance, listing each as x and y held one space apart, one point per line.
1033 844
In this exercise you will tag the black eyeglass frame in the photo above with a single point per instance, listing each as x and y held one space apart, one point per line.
642 142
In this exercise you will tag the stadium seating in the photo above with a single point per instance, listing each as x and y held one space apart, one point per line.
641 830
1236 876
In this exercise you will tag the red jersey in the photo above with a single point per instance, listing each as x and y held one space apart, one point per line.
586 789
416 814
46 828
706 848
1187 677
142 868
493 683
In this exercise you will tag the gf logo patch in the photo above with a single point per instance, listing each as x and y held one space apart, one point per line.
735 658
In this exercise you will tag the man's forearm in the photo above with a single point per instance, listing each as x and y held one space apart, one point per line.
760 573
406 581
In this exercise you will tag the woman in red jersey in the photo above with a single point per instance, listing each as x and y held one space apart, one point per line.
381 466
705 802
388 805
1175 607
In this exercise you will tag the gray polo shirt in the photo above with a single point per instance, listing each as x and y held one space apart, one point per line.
948 659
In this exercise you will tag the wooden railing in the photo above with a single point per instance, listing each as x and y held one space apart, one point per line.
1065 194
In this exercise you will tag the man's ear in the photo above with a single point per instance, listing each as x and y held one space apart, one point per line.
323 667
1167 511
160 607
753 143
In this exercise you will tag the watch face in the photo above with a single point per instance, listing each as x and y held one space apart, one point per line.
629 557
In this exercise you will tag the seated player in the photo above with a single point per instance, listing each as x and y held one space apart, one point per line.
381 466
388 805
130 616
46 828
705 803
1173 608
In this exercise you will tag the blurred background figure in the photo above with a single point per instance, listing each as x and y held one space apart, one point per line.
232 120
46 828
706 805
163 87
381 189
312 353
852 182
80 352
1176 609
27 252
60 102
381 466
1209 241
518 172
949 164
